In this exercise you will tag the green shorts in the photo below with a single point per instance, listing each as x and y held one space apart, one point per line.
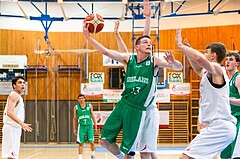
127 118
85 133
228 151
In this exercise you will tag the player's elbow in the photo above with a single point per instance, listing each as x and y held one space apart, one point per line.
177 66
9 112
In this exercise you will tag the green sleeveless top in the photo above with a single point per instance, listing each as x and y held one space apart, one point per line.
84 115
234 94
139 82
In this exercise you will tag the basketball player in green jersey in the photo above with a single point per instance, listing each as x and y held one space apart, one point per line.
139 90
83 120
232 63
147 143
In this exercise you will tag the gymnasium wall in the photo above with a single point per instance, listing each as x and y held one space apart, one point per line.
17 42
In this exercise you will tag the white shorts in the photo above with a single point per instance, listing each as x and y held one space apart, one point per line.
10 141
211 140
148 139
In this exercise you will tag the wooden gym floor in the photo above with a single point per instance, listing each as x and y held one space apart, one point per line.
70 151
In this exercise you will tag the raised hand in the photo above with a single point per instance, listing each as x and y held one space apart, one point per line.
178 38
85 30
186 43
169 57
146 8
116 26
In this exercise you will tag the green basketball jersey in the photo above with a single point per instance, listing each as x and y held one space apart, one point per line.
234 94
84 115
139 82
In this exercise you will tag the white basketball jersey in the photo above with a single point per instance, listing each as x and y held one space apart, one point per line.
214 102
19 111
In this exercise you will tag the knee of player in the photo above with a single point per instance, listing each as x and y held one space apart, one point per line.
183 156
80 145
145 155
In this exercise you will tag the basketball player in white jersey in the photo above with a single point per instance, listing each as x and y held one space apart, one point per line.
148 139
13 120
214 101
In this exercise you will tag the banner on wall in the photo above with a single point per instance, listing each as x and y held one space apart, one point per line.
101 117
180 89
175 77
96 77
112 95
163 95
6 88
13 61
10 67
92 89
110 62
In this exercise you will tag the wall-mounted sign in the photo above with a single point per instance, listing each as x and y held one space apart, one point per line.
96 77
163 95
92 89
10 67
180 89
175 77
110 62
112 95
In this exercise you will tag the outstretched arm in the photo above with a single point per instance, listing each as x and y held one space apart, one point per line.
122 58
191 54
147 13
197 60
194 65
121 45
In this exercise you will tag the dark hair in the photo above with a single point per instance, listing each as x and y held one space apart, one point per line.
219 49
81 95
141 37
235 54
15 79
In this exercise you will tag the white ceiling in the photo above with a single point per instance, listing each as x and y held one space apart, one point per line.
107 10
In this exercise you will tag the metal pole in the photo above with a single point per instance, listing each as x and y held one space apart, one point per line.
69 96
36 105
47 96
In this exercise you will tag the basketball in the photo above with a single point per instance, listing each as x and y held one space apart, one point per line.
95 23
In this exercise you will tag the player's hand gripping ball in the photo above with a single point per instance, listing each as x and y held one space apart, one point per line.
94 23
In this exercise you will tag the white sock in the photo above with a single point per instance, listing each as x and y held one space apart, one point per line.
93 153
80 156
120 156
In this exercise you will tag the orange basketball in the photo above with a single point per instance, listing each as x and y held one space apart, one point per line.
95 23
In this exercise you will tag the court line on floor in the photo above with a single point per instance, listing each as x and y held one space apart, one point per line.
160 150
35 154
